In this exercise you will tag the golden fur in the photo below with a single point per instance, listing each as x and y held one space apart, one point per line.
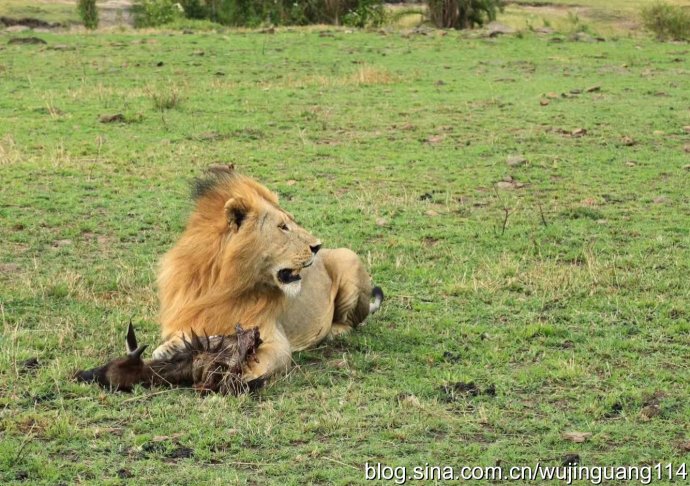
238 259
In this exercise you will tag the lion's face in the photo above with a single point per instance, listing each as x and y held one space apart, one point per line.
283 247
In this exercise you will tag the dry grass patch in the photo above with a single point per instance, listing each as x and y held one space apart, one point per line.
9 153
366 75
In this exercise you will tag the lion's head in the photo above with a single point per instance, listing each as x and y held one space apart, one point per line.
238 244
259 232
253 236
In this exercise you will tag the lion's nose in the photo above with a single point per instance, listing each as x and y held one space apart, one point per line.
315 248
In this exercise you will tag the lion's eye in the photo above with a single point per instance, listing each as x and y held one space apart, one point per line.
283 227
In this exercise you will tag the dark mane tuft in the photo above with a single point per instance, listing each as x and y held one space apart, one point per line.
214 175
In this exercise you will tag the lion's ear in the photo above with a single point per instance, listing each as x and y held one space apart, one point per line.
236 210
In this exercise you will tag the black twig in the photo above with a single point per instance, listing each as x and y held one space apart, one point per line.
541 213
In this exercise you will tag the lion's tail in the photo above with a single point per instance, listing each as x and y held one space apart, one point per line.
377 294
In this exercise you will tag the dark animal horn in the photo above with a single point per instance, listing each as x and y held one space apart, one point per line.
131 341
136 354
219 346
196 342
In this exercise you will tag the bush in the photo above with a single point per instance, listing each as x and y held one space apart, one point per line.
252 13
667 21
88 13
462 14
152 13
368 13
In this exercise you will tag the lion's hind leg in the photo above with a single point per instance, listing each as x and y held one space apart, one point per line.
353 292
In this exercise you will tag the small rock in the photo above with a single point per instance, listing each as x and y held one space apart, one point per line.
577 437
30 364
181 453
61 243
494 29
649 412
551 95
544 102
410 401
116 118
579 132
571 460
14 29
593 89
583 37
516 161
60 47
124 473
505 185
575 91
434 139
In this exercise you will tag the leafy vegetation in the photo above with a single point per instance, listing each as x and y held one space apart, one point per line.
667 21
462 14
252 13
153 13
522 201
88 13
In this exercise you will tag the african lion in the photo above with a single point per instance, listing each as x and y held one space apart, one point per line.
242 259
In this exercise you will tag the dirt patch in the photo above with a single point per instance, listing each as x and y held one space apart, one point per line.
29 365
28 22
455 391
26 40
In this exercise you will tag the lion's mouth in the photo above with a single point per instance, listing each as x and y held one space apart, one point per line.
289 275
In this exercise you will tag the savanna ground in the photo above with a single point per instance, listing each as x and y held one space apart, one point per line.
556 284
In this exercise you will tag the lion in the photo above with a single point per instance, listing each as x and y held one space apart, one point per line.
243 260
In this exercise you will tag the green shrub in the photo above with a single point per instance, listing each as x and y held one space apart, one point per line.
462 14
667 21
88 13
152 13
368 13
251 13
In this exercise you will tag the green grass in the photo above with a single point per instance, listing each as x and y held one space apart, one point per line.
54 11
575 308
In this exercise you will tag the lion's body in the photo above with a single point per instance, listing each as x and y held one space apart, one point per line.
335 297
242 259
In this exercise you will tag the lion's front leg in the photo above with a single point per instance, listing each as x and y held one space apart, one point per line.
273 355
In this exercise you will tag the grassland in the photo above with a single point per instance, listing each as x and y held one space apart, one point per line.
557 285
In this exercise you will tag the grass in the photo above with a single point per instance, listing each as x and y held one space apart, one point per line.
57 12
560 282
610 18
